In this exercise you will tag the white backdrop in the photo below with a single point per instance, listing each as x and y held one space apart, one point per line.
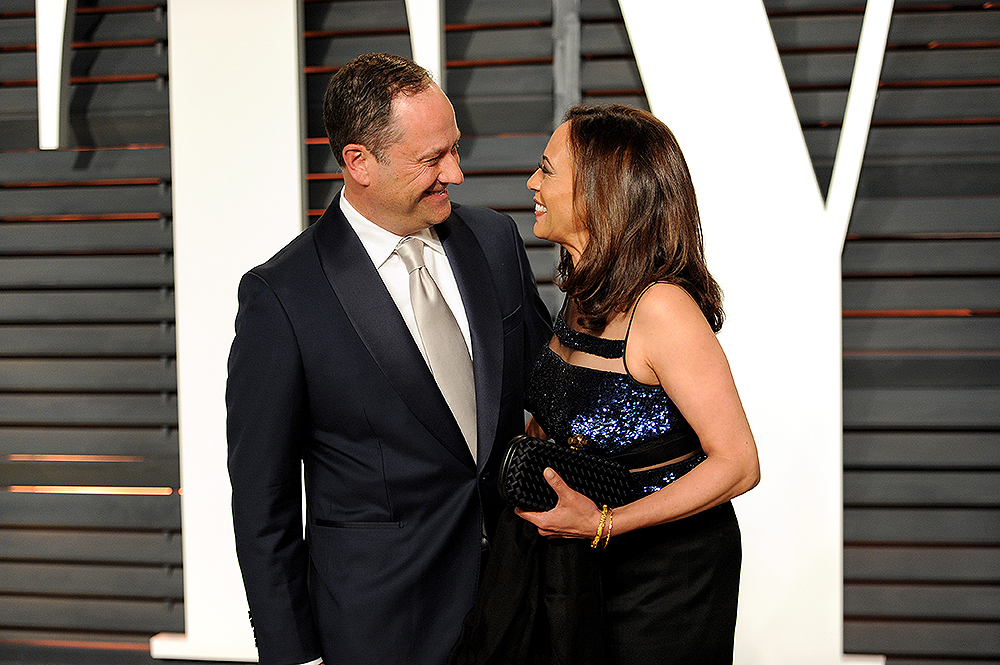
772 243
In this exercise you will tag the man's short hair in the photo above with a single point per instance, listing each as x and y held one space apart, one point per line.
358 103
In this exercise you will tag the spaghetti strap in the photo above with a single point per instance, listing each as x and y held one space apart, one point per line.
629 329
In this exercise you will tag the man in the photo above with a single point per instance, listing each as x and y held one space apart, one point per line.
336 366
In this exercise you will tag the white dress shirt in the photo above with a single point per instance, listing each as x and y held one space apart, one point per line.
381 247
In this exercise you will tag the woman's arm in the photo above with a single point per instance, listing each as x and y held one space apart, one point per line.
672 345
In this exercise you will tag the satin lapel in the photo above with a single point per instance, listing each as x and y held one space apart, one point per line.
375 318
479 297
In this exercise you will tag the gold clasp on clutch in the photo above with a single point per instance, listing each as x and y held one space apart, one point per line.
577 441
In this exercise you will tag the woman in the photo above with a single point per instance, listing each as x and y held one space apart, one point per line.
635 369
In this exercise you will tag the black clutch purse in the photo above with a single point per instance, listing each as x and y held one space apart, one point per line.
522 484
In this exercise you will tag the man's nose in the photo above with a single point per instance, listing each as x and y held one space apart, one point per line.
451 172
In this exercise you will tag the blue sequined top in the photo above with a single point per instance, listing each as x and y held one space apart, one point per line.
636 424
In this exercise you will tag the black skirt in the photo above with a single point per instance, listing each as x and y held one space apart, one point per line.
670 591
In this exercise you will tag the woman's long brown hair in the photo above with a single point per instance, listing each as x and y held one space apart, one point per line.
634 195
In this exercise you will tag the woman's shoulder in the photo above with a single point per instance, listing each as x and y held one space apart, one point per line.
664 308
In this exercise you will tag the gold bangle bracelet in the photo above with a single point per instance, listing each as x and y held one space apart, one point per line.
600 527
611 520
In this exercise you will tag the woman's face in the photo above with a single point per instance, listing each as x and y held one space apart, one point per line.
552 184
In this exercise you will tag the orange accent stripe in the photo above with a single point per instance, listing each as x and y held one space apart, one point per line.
890 313
94 490
80 644
33 457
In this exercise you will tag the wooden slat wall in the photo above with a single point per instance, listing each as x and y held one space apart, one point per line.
89 512
921 296
498 76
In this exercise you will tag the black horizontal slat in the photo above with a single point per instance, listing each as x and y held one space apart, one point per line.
836 69
593 10
150 616
500 114
102 272
610 74
921 104
88 409
91 546
75 165
63 648
94 340
499 44
902 104
604 39
921 408
944 333
131 472
818 69
637 100
926 638
962 602
20 132
490 11
144 306
925 487
922 371
111 26
84 62
957 141
91 98
94 200
921 293
932 176
917 257
118 581
339 50
350 15
816 32
151 441
930 450
937 27
90 375
497 191
922 564
91 511
942 65
969 526
925 215
50 237
504 80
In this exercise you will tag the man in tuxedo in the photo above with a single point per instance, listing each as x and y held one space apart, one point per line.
381 356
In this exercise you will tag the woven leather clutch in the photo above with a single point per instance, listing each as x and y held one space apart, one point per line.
522 484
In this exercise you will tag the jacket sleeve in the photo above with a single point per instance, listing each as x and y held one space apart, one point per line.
266 428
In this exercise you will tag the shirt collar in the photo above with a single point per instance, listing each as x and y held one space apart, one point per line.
378 242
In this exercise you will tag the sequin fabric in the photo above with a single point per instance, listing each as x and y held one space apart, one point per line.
611 410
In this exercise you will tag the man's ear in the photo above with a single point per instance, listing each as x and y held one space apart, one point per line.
358 163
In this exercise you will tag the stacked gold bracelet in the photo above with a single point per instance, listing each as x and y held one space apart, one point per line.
606 516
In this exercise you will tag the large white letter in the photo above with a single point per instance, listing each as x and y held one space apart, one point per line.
712 72
54 38
236 144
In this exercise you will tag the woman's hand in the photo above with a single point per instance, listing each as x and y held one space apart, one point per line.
574 516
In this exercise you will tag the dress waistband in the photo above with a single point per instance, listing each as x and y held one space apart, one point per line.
659 450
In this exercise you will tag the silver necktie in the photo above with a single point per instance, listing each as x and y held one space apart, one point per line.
444 344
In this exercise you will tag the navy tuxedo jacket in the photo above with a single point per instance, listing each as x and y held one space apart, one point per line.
324 372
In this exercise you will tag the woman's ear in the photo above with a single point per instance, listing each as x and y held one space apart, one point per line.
358 161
